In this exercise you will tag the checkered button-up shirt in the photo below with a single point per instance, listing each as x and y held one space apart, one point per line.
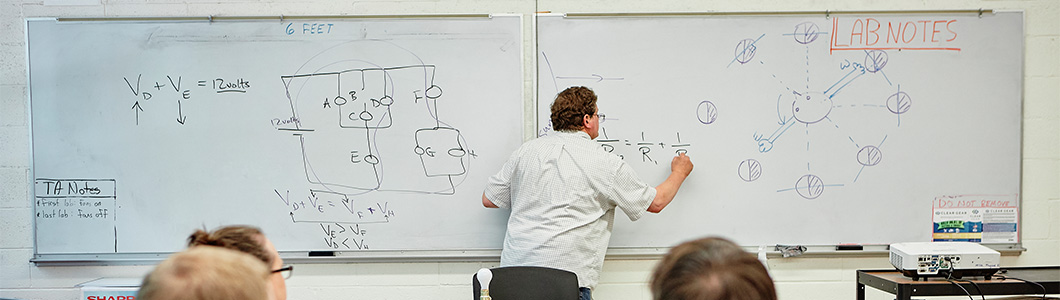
562 190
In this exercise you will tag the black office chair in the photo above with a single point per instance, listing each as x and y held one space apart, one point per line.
529 283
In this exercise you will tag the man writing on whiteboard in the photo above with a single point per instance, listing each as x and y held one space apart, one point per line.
563 190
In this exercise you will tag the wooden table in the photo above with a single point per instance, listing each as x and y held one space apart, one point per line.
903 288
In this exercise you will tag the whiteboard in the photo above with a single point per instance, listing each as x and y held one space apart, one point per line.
804 130
329 134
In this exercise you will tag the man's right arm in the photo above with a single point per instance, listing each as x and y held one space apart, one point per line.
487 203
680 167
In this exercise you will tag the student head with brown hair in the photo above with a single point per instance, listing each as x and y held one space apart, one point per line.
250 240
207 273
711 269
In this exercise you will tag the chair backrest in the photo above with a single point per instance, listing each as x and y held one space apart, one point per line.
529 283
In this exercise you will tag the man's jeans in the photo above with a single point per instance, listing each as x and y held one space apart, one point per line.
586 293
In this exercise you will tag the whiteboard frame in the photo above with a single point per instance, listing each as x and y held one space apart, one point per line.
819 250
381 256
456 255
151 258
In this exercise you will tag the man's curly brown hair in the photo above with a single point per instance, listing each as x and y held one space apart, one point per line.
570 106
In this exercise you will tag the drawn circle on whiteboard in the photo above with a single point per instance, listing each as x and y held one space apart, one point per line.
875 60
339 100
750 170
899 103
811 107
365 116
745 51
419 150
457 152
386 101
809 186
869 156
372 159
806 32
707 112
433 92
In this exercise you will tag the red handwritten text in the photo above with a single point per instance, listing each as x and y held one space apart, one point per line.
876 34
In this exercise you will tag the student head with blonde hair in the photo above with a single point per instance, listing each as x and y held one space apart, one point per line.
207 273
711 269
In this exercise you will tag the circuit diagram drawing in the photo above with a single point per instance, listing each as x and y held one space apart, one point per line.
365 122
809 105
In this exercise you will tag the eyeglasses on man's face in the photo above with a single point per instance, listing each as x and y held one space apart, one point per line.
285 272
601 116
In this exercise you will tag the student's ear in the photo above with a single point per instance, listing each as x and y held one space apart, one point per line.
586 121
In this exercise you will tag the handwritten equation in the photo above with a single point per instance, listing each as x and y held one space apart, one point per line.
645 148
339 217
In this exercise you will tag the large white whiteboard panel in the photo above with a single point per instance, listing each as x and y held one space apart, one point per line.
803 129
329 134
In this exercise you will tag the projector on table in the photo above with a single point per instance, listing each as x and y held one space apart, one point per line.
944 259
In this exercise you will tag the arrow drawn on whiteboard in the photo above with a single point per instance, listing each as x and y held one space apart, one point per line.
780 116
137 109
180 114
597 77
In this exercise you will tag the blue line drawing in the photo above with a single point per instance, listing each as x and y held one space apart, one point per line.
857 69
809 186
766 144
745 50
810 106
869 156
806 32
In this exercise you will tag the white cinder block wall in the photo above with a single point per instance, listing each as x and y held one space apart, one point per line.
797 278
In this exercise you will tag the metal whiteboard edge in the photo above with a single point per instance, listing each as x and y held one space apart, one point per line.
30 182
375 256
269 18
387 256
756 13
812 251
